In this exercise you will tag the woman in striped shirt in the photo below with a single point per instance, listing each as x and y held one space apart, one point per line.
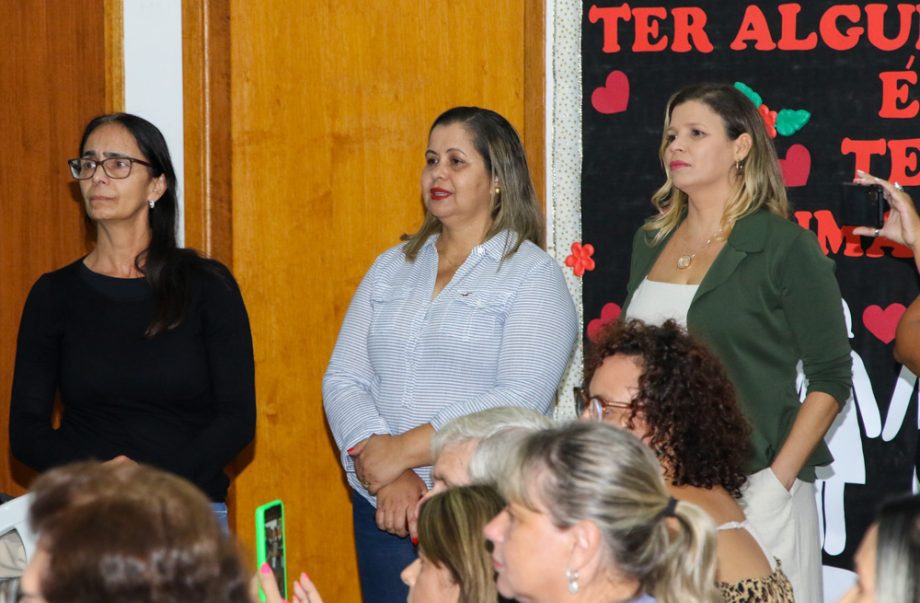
466 314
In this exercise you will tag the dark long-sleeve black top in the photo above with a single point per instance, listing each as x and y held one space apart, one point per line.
183 400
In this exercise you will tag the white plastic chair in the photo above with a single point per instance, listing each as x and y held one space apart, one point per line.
14 515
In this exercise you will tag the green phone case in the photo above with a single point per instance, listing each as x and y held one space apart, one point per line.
270 543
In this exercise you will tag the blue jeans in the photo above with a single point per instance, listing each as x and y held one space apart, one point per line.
220 512
381 556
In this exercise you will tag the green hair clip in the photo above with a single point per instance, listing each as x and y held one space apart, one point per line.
785 121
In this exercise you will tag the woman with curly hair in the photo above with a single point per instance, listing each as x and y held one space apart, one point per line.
671 392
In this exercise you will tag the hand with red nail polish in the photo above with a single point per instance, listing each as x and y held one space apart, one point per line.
305 591
357 448
413 517
269 585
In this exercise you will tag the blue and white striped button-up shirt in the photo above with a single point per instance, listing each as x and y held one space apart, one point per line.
499 334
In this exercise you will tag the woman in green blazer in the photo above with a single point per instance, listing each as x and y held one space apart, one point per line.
722 258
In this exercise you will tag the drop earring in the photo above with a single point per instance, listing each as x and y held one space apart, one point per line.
572 577
151 203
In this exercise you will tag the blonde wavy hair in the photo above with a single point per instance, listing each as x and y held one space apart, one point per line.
760 180
596 472
515 208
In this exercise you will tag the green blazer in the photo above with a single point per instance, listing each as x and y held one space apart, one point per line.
769 299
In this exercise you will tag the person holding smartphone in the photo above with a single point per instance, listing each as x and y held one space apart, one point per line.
454 565
721 257
902 226
468 313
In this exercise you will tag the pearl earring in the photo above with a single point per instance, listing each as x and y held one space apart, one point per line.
572 577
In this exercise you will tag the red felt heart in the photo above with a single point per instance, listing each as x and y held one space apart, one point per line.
796 166
609 313
883 323
612 97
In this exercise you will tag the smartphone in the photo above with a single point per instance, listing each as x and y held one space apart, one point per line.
862 205
270 543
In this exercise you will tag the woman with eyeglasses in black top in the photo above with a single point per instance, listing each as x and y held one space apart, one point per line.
147 344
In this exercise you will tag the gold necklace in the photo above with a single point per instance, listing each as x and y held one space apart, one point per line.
684 261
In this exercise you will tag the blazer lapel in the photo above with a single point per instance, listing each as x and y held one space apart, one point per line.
748 236
729 259
647 261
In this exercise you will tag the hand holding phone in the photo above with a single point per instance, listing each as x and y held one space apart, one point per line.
304 589
270 543
863 205
903 223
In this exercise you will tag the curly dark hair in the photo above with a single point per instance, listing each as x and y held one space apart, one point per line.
686 400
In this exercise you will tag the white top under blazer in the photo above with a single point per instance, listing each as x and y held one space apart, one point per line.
655 302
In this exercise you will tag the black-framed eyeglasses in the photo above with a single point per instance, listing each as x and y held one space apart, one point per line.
114 167
597 408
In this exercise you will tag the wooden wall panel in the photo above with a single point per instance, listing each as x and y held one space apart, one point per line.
332 101
114 55
534 128
207 107
53 74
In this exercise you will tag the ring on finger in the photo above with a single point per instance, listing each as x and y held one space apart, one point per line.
898 186
875 233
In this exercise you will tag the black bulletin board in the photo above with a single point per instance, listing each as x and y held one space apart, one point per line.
854 70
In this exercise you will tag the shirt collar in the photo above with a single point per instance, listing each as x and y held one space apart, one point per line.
499 245
495 248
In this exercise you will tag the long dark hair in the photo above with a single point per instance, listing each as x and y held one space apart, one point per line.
165 266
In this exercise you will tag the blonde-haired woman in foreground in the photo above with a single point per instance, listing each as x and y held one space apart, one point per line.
589 519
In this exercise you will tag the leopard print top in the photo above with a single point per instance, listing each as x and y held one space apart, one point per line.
774 588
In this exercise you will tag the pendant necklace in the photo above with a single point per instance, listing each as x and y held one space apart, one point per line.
684 261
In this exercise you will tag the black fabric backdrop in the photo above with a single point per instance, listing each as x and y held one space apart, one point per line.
844 92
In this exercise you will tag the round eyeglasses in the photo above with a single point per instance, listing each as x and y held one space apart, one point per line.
114 167
597 408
